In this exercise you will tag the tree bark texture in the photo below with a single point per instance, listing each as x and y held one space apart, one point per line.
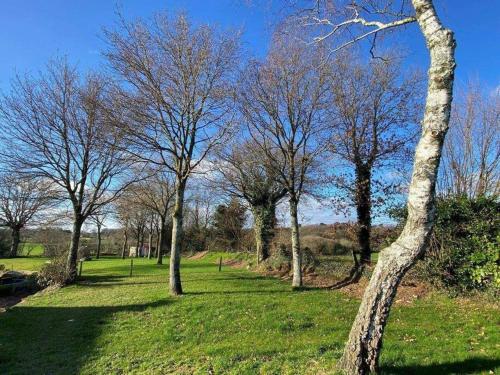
73 250
363 210
15 239
150 242
99 241
177 235
264 221
361 354
296 253
125 242
161 241
141 244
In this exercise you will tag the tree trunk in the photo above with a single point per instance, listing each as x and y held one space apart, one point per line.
363 210
264 219
73 250
362 350
177 234
98 254
296 253
150 242
161 241
125 242
141 244
157 231
15 239
137 243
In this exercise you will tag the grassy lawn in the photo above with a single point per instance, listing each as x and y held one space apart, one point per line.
233 322
24 263
31 249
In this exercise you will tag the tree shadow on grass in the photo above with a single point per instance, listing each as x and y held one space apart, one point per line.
230 277
468 366
55 340
227 292
95 279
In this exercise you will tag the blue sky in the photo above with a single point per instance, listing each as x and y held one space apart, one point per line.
33 31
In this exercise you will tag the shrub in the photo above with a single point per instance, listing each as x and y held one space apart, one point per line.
53 273
318 244
343 246
280 259
464 251
309 261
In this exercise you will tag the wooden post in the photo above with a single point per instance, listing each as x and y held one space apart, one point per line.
220 264
80 270
131 266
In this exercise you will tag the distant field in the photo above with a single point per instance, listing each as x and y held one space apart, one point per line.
229 322
31 249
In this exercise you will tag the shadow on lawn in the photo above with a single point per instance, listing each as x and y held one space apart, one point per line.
468 366
55 340
247 292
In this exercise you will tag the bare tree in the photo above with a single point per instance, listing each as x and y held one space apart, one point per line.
156 194
59 128
282 99
99 218
138 222
374 115
180 77
367 19
471 157
123 213
246 174
21 201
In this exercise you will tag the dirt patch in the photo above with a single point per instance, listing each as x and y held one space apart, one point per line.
18 297
407 292
9 301
233 263
199 255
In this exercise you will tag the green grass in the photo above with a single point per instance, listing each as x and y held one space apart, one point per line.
31 249
24 263
233 322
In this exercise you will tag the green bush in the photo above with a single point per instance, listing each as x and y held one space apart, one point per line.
280 259
464 251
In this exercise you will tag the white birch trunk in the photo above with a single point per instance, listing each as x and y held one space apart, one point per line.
177 234
362 350
296 253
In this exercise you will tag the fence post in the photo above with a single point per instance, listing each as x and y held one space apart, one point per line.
220 264
131 266
80 270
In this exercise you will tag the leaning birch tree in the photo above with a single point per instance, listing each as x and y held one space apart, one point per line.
362 351
178 90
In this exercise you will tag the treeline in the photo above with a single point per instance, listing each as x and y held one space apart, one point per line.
297 122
